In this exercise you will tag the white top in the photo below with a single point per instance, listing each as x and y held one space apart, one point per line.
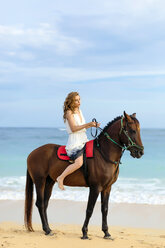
76 140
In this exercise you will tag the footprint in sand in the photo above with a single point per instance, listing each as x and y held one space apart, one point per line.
162 236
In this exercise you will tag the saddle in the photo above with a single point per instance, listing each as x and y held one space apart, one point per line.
61 152
88 153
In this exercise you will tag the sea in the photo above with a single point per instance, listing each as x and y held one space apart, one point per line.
140 181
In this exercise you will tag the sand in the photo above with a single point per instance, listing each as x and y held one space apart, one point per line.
131 225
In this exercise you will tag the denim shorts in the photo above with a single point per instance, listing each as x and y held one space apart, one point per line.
77 154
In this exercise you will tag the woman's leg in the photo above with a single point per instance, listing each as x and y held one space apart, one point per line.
70 169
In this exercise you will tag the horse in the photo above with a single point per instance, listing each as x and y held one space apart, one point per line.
43 168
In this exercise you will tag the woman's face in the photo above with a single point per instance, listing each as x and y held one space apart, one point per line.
77 101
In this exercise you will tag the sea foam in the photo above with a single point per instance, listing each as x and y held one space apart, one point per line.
125 190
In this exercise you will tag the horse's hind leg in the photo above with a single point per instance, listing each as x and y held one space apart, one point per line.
47 194
93 195
104 210
40 188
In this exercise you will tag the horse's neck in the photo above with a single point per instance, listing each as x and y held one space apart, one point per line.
111 150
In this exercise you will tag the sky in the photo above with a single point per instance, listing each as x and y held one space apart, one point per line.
111 52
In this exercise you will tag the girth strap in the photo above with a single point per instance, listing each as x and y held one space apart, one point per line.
85 167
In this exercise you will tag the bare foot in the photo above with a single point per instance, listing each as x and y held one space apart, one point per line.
60 183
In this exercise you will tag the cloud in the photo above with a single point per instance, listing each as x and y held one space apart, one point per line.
79 75
116 11
110 51
21 55
44 36
130 20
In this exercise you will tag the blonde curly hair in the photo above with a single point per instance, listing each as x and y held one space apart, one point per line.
69 103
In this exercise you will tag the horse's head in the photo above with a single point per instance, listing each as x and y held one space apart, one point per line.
130 135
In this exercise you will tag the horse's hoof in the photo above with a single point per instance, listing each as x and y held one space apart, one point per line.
108 237
49 233
84 237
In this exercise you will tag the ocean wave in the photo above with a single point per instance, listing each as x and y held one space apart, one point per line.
62 129
125 190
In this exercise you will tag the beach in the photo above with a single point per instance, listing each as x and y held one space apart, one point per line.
136 208
73 67
130 225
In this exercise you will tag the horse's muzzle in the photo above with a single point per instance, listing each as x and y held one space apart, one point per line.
136 153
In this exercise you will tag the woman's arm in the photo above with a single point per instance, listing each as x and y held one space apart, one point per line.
74 127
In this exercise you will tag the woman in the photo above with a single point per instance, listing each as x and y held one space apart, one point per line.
76 128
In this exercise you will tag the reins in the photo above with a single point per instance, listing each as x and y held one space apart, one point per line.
98 145
94 135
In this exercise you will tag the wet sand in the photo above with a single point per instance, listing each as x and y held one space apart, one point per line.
130 225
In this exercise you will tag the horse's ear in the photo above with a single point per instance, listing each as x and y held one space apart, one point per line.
133 115
127 117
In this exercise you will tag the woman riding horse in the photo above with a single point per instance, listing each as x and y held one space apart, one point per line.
76 128
44 167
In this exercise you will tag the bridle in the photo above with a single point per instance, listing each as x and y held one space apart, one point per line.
131 143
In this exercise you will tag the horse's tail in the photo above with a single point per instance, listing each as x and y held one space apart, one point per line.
28 203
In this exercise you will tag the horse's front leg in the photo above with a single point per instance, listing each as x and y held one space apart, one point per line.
104 210
93 195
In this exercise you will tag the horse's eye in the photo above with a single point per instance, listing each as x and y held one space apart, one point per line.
133 131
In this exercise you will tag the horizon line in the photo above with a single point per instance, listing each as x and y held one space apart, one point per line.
63 127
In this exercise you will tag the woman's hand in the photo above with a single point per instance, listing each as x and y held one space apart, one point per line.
94 124
75 128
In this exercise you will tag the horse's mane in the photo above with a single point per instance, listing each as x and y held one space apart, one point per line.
109 124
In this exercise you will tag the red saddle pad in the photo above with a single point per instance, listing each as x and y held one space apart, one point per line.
61 153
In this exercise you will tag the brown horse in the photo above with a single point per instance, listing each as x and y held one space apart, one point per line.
43 167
